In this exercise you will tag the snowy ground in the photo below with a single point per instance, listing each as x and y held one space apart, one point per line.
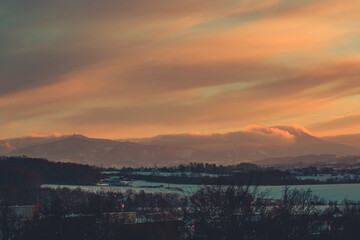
324 177
330 192
174 174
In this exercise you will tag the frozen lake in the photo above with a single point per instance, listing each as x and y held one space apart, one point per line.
330 192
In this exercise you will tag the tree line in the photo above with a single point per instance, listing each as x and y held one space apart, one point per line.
212 212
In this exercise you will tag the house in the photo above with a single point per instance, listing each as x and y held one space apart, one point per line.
26 212
123 217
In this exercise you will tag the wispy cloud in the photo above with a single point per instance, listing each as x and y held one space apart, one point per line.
339 122
123 68
10 125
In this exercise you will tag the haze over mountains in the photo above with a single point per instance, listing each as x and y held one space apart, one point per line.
252 144
351 139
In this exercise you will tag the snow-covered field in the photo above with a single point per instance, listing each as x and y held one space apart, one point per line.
165 174
174 174
330 192
324 177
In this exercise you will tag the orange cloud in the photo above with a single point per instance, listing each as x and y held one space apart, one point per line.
206 66
276 132
249 138
36 135
10 125
340 122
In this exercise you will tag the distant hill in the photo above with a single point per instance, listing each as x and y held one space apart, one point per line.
25 172
324 160
230 148
298 161
9 145
80 149
278 141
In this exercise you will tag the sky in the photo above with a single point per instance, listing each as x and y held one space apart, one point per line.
140 68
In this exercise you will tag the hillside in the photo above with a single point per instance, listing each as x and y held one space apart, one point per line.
80 149
228 148
320 161
25 172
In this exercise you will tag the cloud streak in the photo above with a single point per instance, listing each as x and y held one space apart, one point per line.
342 122
141 68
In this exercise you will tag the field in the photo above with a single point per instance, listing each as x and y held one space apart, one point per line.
330 192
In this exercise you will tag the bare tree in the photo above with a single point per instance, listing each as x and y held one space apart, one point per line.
224 212
294 213
9 224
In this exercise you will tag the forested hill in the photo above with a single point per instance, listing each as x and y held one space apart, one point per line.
32 172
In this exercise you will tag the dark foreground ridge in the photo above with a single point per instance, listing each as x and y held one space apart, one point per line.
26 172
221 211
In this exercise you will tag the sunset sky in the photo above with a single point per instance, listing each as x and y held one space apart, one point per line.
139 68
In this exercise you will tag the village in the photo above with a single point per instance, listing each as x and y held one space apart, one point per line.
166 221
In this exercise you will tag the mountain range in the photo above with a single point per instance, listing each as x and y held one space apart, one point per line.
273 144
